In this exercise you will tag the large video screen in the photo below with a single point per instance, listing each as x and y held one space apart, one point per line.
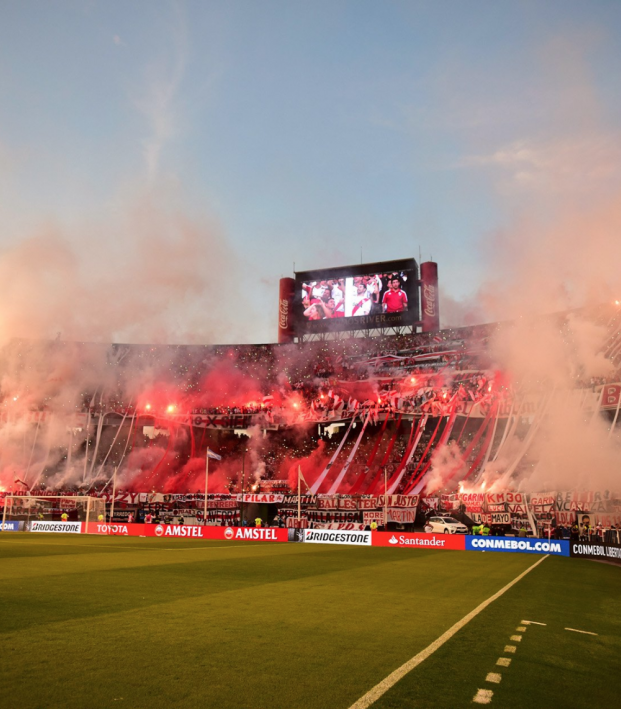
357 297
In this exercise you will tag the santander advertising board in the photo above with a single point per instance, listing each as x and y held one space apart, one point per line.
419 541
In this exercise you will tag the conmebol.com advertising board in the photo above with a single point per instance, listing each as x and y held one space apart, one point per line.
558 547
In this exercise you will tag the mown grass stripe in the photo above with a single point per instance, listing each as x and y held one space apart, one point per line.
376 692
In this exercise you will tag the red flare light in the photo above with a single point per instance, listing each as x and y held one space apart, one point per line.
147 407
170 408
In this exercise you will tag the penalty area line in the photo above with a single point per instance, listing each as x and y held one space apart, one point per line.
376 692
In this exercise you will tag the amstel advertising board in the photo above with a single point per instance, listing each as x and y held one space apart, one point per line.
190 531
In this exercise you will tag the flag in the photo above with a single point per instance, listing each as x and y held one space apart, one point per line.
21 482
301 477
212 455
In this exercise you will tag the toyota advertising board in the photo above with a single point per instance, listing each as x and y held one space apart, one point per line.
191 531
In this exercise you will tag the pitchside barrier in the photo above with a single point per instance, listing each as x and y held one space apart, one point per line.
596 550
454 542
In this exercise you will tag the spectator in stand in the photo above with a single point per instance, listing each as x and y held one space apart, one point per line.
148 518
395 300
361 301
598 532
257 522
130 518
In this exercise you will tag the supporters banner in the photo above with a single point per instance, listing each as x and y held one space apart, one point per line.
406 501
495 498
375 516
348 526
472 499
321 536
63 527
261 498
596 550
496 508
419 541
593 501
304 499
401 516
543 499
558 547
491 517
190 531
367 503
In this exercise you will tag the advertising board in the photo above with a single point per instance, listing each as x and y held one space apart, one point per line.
12 525
328 536
419 541
360 297
190 531
557 547
596 550
62 527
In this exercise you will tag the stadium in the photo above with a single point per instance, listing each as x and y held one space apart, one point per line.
302 524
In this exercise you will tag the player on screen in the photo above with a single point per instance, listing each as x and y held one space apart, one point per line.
395 300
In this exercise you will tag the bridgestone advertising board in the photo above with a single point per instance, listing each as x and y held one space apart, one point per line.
596 550
64 527
329 536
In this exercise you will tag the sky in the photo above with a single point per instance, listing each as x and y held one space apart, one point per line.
163 164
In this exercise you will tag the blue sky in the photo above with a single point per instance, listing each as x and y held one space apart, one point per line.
296 131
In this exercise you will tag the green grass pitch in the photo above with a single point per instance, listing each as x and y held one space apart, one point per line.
90 622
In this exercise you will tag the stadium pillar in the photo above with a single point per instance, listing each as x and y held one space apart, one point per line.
429 296
113 494
285 310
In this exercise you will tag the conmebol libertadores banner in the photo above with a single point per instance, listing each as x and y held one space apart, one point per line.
596 550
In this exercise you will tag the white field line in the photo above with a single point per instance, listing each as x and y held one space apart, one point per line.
584 632
503 661
494 677
521 628
531 622
376 692
509 648
483 696
145 548
516 638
